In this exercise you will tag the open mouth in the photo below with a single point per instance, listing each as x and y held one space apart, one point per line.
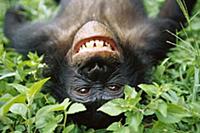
94 40
95 47
95 44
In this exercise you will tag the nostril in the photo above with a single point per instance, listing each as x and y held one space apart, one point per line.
95 71
105 68
95 67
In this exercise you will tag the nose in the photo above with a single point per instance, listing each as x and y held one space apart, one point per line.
96 72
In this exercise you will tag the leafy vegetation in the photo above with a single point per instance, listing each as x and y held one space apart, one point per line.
172 100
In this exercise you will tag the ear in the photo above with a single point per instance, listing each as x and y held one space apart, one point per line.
171 10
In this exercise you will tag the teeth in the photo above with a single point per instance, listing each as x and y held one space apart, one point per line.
108 45
100 44
105 44
95 44
83 46
90 44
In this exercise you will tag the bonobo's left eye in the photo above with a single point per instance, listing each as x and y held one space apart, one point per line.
115 88
82 91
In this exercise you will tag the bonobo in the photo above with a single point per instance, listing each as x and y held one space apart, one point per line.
94 47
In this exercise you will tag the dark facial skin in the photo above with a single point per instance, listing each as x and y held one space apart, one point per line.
95 47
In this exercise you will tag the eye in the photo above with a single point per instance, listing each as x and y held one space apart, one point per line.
83 91
114 88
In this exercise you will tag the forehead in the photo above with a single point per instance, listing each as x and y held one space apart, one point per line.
121 16
122 12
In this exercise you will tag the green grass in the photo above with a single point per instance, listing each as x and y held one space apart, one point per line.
173 97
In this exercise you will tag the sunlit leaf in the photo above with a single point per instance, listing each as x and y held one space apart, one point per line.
18 99
151 90
134 120
20 88
7 75
75 108
162 107
175 113
114 126
129 92
35 88
113 108
20 109
48 108
69 129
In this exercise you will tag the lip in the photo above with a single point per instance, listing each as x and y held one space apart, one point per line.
94 40
105 40
93 30
108 56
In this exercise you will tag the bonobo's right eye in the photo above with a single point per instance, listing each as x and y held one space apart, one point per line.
82 91
115 89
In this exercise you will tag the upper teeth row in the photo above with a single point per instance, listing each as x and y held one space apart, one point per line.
96 43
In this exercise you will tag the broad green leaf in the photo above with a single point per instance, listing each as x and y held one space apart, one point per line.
160 127
179 110
134 119
17 99
5 120
72 128
35 88
162 108
69 129
66 103
130 92
114 126
48 108
148 112
43 121
195 107
113 108
51 124
17 132
20 88
4 98
175 113
75 108
159 71
7 75
151 90
170 95
170 118
123 130
44 111
50 127
20 128
132 102
20 109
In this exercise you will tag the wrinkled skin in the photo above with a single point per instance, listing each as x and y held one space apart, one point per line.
95 47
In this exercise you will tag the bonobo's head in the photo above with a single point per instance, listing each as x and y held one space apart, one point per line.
95 47
95 57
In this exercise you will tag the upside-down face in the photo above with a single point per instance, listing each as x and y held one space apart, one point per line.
95 47
96 57
106 44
